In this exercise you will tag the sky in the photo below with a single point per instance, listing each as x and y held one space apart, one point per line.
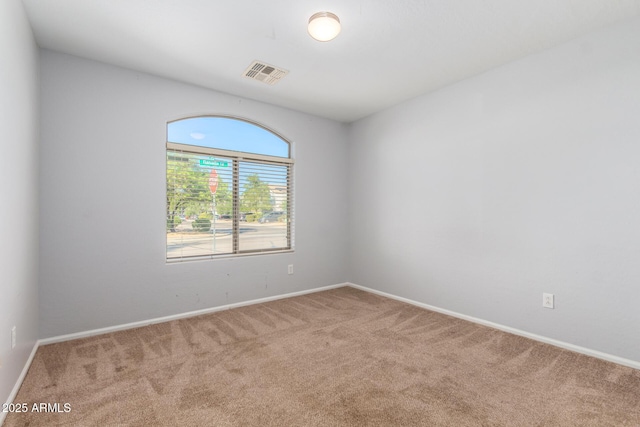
232 134
227 134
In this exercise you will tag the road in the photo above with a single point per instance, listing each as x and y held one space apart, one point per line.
253 235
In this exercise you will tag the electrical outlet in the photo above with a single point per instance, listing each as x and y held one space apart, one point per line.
547 300
13 337
290 269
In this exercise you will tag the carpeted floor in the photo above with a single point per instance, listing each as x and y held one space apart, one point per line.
341 357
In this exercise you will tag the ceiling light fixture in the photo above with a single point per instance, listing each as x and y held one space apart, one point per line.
324 26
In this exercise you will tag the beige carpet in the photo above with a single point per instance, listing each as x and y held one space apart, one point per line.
341 357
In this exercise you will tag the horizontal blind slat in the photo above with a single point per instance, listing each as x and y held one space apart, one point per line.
264 186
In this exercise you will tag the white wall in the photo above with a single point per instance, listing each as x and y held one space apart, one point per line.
481 196
103 201
18 192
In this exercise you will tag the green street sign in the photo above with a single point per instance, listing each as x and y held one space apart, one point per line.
213 163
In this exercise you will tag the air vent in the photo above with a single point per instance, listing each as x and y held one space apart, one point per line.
264 72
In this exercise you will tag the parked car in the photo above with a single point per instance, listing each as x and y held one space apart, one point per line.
271 217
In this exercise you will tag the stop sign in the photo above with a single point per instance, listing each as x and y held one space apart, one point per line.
213 181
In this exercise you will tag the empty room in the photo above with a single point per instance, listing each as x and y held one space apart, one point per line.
305 213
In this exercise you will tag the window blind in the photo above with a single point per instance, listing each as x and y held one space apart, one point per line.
221 202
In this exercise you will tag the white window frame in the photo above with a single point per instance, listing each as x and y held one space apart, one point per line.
237 157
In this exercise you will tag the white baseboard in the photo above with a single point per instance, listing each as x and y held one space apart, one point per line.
567 346
23 374
109 329
589 352
132 325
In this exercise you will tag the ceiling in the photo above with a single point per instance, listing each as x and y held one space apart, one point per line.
388 51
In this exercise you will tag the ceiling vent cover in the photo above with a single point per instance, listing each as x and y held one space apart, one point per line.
261 71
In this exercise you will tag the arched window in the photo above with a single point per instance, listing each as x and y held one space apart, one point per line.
229 189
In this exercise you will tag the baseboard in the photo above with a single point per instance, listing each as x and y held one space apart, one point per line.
586 351
23 374
567 346
132 325
109 329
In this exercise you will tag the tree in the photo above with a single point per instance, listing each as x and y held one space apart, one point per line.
187 190
256 197
224 199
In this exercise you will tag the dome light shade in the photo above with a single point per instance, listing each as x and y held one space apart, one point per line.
324 26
